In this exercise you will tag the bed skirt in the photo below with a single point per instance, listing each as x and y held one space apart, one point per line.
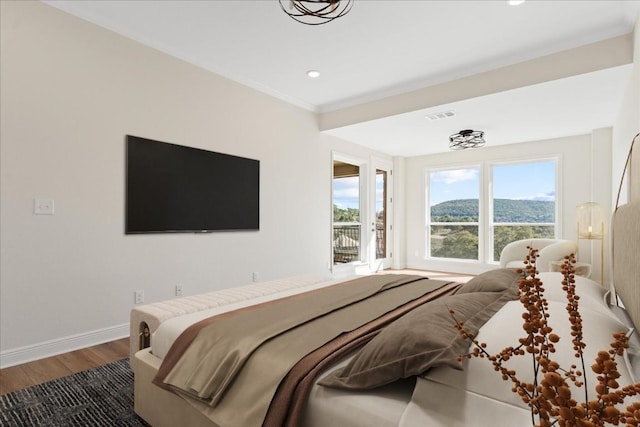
148 398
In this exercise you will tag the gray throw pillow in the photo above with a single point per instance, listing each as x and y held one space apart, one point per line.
423 338
496 280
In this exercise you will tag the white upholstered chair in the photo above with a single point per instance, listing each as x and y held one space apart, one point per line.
513 254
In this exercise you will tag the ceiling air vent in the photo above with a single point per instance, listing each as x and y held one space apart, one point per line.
442 115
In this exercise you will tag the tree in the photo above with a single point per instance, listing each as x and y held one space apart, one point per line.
503 235
462 245
345 215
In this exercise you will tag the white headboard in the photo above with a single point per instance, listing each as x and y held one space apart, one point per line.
626 257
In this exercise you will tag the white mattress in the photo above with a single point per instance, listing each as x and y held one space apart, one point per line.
170 329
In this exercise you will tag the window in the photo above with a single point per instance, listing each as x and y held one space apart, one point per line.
454 213
469 215
524 202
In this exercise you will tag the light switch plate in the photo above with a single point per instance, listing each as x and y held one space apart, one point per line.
43 207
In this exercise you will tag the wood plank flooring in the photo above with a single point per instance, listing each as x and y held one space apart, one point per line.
39 371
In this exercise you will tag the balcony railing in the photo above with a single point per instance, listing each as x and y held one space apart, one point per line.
346 242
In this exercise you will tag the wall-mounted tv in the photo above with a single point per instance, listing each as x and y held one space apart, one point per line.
176 189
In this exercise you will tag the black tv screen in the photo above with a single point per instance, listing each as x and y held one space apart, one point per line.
172 189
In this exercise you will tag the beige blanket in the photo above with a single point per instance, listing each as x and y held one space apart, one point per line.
231 365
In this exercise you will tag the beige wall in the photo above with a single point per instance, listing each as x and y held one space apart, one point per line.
628 125
70 92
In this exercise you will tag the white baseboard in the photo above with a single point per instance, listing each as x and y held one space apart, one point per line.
41 350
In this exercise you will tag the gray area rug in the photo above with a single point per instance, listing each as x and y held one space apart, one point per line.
101 396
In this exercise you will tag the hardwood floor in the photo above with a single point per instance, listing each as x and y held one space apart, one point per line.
39 371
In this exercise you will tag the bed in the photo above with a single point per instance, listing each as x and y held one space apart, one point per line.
366 363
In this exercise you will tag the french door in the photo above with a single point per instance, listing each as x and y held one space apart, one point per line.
362 214
381 216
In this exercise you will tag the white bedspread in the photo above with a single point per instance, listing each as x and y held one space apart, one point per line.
381 407
439 405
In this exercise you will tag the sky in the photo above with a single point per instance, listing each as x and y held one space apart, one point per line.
524 181
346 193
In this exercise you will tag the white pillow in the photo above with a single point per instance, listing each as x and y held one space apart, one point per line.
592 295
595 297
505 328
632 355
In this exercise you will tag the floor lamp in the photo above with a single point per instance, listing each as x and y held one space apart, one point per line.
591 227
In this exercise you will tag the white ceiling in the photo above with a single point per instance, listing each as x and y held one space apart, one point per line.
384 48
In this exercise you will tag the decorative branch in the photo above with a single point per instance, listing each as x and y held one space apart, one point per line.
549 396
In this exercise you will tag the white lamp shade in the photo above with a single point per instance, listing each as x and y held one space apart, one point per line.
590 221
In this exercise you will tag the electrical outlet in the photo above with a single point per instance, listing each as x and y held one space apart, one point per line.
138 297
178 290
43 207
255 276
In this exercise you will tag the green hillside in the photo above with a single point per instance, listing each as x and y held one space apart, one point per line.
505 210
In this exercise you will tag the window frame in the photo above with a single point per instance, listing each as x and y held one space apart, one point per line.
491 224
429 224
486 226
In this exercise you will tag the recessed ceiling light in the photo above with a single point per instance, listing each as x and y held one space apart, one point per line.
516 2
314 74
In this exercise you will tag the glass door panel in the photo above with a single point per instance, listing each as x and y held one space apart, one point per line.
346 213
381 216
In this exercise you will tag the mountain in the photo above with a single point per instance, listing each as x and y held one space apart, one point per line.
505 210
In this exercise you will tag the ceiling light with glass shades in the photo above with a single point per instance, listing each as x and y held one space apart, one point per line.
466 139
316 12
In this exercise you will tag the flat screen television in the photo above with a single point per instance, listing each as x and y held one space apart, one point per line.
176 189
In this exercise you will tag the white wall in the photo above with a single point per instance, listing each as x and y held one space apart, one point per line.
628 125
70 92
576 185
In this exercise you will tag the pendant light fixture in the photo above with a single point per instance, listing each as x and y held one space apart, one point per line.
316 12
466 139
